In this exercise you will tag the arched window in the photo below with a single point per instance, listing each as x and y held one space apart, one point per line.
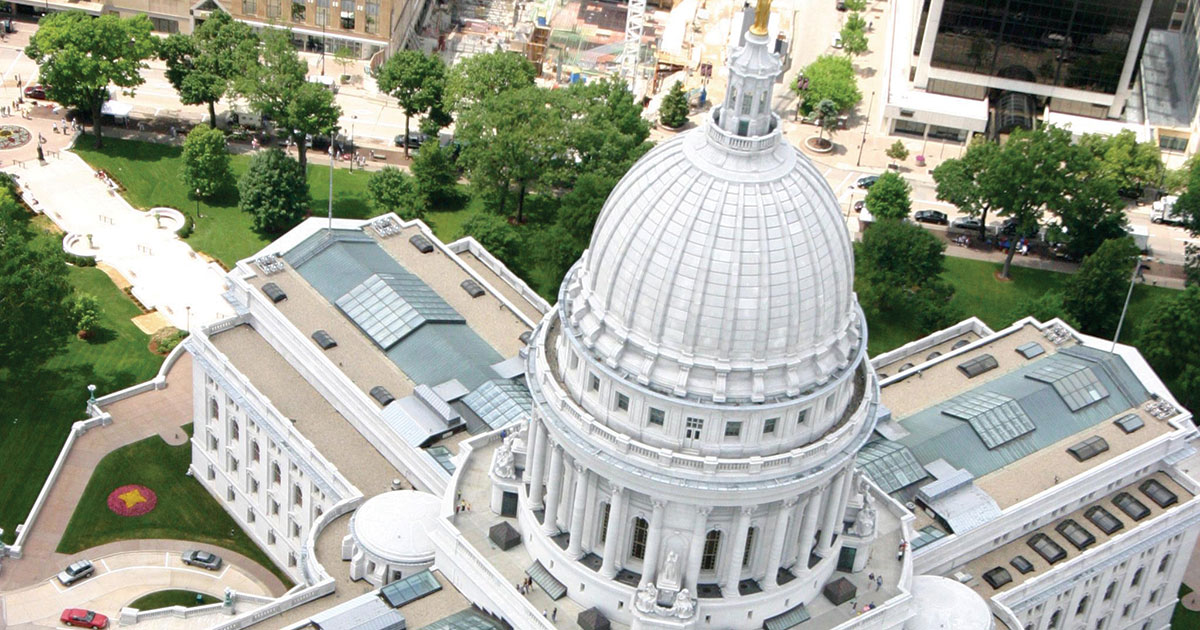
297 496
1054 619
638 548
732 97
747 99
235 431
1137 577
762 102
254 453
712 544
749 546
214 409
276 475
1162 565
1108 592
605 511
1082 607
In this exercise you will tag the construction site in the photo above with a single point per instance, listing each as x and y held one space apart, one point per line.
650 45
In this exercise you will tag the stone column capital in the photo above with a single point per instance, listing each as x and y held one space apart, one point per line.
747 510
703 510
617 490
659 504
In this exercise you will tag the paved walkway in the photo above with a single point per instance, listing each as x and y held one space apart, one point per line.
166 274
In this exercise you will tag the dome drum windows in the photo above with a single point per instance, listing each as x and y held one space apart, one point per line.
712 545
733 429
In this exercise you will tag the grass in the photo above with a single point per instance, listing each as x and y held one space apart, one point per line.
1184 619
174 597
185 510
38 413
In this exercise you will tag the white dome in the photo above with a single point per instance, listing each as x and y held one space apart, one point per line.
943 604
720 268
395 526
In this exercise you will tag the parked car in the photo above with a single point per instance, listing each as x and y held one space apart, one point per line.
37 91
415 140
841 5
966 223
1009 228
75 572
204 559
931 216
81 618
859 205
868 181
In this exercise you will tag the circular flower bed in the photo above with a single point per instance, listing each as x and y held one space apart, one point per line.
132 500
12 136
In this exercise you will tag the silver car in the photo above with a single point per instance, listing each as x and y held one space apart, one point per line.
204 559
77 571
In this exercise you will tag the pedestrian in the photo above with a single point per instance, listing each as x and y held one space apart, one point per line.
544 613
870 577
878 582
54 126
554 615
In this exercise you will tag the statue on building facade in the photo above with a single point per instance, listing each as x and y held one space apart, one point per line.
646 598
684 606
670 572
503 465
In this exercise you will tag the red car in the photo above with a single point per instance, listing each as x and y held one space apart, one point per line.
83 618
35 91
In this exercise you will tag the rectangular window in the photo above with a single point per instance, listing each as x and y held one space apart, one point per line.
769 425
604 522
274 507
273 9
271 537
733 429
163 25
712 544
1100 623
229 493
803 416
249 515
1126 610
749 546
1172 143
253 486
212 472
250 7
347 14
1154 595
372 26
640 529
694 427
291 559
299 11
594 383
657 416
322 16
622 402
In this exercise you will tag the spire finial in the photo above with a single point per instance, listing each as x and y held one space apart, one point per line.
762 14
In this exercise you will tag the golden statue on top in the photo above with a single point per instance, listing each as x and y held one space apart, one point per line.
762 14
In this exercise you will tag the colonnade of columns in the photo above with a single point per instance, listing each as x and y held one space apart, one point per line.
797 526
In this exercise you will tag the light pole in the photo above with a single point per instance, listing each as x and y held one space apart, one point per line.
331 185
91 394
1137 266
353 155
866 124
189 318
197 203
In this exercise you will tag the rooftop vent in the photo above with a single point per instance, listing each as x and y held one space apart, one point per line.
270 264
1132 508
960 343
1022 564
933 355
1088 448
1158 493
526 336
906 366
382 395
472 288
274 292
324 340
1103 519
1076 534
978 365
997 577
1031 349
1049 550
386 227
421 243
1129 423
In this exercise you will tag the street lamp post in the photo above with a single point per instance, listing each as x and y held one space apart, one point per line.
1137 267
353 155
189 318
197 203
866 124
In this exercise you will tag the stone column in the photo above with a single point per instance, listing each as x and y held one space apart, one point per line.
539 465
553 491
530 448
696 549
782 517
737 549
650 562
575 546
568 484
791 546
612 539
808 529
832 521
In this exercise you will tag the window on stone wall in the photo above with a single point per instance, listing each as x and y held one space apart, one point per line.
253 486
297 496
657 417
750 534
276 474
1108 592
594 383
229 493
299 11
640 529
1082 607
733 428
273 9
605 513
803 416
212 442
347 14
274 507
1154 595
712 544
250 7
291 559
1162 565
622 402
372 26
249 515
769 425
235 431
214 409
271 537
1137 577
1055 617
254 454
1127 610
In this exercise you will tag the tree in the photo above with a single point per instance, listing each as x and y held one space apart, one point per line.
392 190
344 57
415 80
579 208
828 111
604 132
673 112
1132 165
1089 213
1170 340
889 197
480 77
898 152
203 66
1095 294
498 237
900 273
856 6
434 175
829 77
274 77
274 190
205 161
79 56
1045 307
310 112
85 312
35 295
854 35
958 181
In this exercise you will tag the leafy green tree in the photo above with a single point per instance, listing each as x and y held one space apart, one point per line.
828 111
480 77
205 161
1089 213
434 175
276 87
80 56
673 112
85 312
958 181
518 141
856 6
889 197
35 295
555 250
579 208
898 152
829 77
393 190
416 80
605 130
854 35
203 66
344 57
1170 340
273 190
1132 165
900 273
497 236
310 112
1046 307
1095 294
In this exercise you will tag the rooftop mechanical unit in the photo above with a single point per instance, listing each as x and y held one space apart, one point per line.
472 288
274 292
382 395
978 365
324 340
421 243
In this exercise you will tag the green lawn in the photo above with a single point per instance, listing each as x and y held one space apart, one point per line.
185 510
37 414
166 599
1184 619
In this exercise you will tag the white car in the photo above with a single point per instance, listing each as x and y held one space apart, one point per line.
75 572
